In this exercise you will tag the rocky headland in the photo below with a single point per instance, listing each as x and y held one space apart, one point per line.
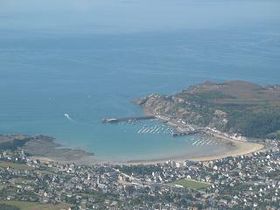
238 109
44 148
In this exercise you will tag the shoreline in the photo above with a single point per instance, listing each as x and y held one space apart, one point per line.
240 148
48 150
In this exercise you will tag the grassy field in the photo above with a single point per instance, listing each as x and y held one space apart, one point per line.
4 164
22 205
188 183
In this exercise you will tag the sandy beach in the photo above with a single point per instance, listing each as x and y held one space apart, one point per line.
49 151
235 148
238 148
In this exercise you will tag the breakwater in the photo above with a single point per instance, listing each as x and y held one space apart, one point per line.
127 119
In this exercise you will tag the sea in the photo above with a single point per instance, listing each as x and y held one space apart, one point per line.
67 64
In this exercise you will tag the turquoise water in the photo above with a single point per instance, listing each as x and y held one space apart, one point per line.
90 58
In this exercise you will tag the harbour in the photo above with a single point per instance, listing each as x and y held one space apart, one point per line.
173 128
127 119
93 72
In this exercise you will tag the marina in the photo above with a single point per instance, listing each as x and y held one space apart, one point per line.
173 128
150 125
127 119
155 129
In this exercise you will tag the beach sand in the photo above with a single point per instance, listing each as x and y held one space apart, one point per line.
238 148
49 151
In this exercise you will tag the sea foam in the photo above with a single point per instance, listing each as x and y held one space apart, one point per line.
68 117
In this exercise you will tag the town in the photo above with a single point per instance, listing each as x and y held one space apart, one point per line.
246 182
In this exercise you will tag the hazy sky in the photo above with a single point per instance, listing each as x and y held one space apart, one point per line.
127 16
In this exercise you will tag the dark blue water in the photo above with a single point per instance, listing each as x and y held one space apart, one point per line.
90 58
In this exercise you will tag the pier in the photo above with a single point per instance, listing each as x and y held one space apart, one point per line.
127 119
185 133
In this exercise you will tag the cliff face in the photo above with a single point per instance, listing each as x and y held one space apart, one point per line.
234 107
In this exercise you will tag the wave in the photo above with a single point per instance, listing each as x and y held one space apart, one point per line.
68 117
